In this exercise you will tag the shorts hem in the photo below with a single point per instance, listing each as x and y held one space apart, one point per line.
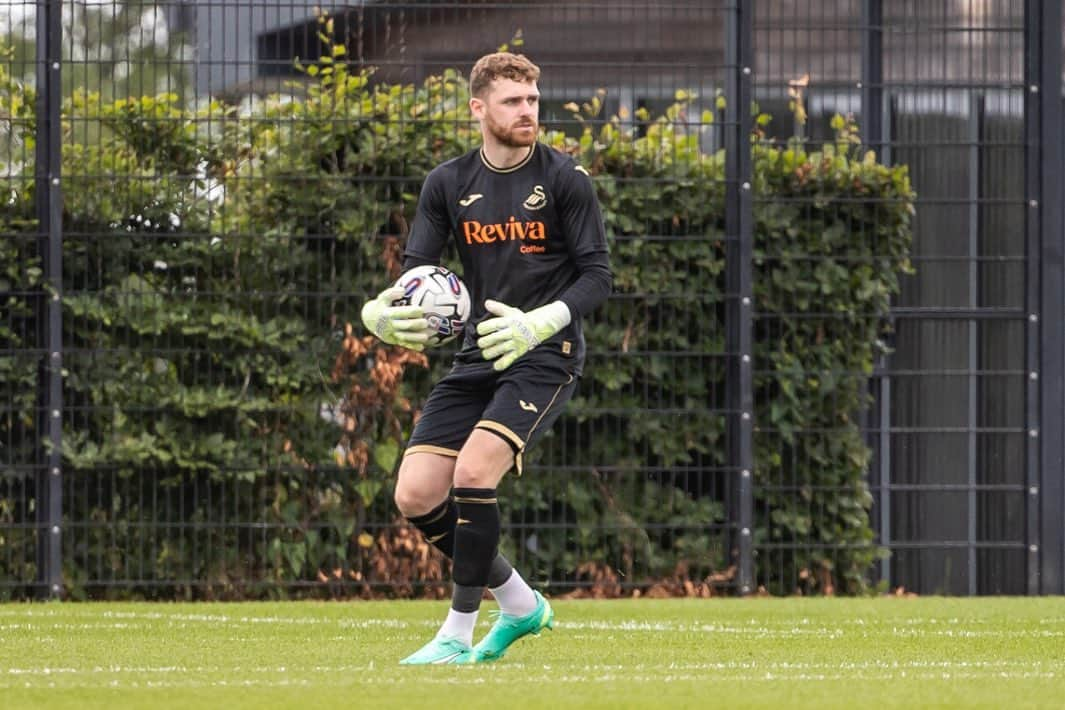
504 431
431 449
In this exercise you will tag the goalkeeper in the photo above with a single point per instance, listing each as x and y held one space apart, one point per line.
529 233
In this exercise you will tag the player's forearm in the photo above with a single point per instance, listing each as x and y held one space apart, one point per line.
412 260
591 288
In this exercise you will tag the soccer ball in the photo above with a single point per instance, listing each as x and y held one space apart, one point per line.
443 296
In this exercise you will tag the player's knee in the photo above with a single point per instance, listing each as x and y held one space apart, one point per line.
474 474
412 502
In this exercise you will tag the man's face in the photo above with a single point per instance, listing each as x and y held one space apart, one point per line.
509 110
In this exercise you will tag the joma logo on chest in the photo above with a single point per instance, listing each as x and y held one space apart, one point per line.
511 230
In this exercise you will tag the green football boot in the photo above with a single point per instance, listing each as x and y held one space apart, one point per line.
509 629
438 651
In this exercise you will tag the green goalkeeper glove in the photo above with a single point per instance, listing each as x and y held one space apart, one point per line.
396 325
514 332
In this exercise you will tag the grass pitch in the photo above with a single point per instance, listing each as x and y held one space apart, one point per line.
773 653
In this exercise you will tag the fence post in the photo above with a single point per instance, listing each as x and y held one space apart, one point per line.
739 223
873 74
1045 408
49 204
873 136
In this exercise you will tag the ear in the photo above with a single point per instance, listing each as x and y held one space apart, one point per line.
477 107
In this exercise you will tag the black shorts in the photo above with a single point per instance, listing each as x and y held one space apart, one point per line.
518 404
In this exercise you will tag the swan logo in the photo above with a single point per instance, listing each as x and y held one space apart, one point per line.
537 200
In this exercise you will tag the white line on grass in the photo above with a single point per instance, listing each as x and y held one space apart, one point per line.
499 677
766 667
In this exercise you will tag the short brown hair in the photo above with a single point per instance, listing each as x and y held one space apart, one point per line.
501 65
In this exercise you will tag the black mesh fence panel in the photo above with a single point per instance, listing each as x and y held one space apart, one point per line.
237 178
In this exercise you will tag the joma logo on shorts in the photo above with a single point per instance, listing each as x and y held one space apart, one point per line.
511 230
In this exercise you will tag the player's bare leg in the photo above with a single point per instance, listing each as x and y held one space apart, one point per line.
424 481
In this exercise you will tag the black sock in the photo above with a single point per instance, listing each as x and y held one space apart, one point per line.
438 526
476 544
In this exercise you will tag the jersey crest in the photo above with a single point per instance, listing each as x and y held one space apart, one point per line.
537 200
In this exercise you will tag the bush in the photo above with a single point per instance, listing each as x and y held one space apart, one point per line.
221 265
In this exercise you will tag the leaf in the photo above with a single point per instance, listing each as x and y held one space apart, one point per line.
385 454
368 490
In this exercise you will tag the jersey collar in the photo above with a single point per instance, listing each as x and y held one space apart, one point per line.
512 168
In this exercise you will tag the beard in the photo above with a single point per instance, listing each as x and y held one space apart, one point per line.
510 135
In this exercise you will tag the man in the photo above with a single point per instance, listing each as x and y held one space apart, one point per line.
530 236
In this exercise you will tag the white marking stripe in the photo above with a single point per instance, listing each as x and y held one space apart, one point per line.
508 679
776 667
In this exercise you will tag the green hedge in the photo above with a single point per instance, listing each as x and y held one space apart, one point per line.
214 258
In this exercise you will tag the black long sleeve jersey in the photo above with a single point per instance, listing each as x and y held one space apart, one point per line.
527 235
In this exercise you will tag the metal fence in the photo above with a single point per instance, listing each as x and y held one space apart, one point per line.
967 95
966 426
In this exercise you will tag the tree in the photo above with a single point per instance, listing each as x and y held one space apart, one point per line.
118 48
